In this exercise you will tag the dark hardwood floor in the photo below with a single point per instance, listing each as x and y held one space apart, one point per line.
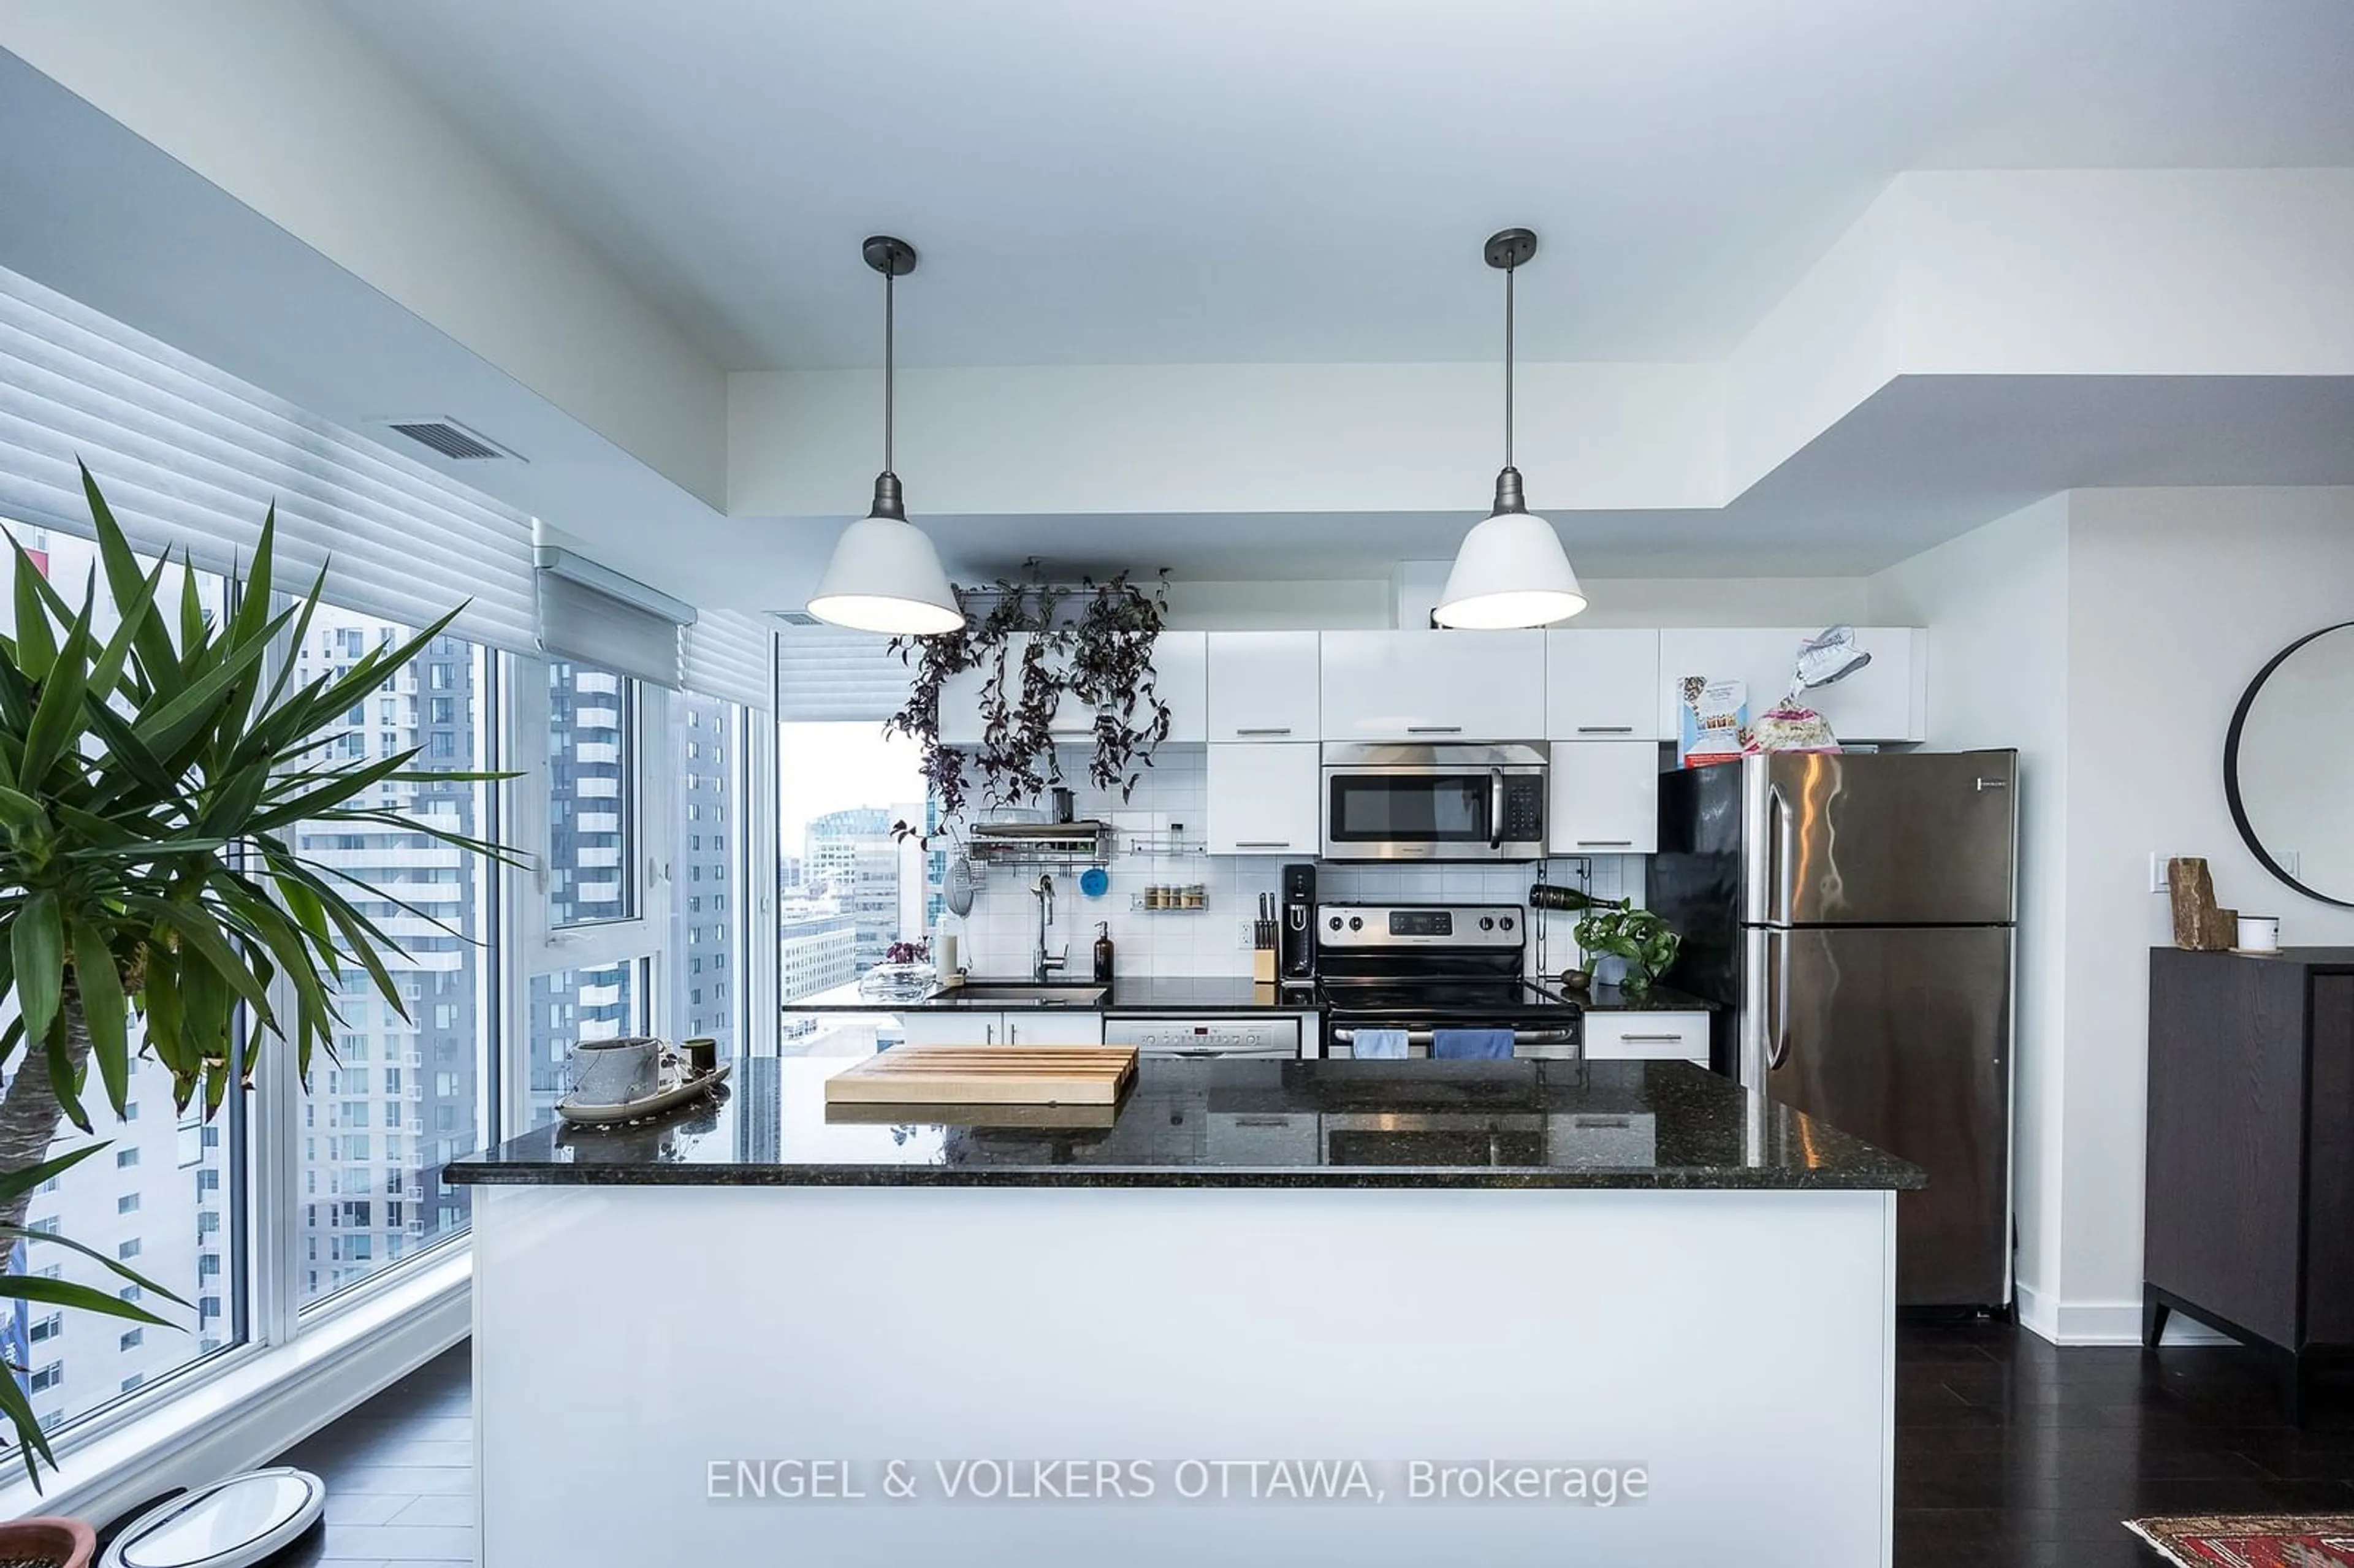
2009 1454
2012 1454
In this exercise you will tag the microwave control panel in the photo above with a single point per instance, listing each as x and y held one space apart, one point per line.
1524 800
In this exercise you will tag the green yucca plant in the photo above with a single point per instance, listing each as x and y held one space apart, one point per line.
152 780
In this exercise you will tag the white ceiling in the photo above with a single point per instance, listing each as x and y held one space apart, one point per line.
1309 180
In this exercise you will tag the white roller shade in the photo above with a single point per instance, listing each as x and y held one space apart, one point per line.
575 621
830 674
727 655
190 458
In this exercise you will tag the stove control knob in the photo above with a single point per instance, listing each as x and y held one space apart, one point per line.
1356 922
1487 922
1335 922
1508 922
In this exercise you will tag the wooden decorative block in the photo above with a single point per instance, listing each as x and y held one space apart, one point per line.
2198 922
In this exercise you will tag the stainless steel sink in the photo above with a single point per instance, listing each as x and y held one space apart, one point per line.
1021 993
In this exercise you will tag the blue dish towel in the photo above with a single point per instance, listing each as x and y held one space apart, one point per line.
1471 1044
1385 1043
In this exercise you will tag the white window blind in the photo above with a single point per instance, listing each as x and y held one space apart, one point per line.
596 615
728 656
827 674
190 458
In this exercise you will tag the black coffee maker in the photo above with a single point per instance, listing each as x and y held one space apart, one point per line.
1296 947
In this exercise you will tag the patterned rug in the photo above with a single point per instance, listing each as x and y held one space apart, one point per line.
2253 1541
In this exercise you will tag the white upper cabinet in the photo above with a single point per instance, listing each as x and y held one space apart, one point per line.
1433 685
1605 798
1884 701
1263 685
1180 675
1263 798
1602 685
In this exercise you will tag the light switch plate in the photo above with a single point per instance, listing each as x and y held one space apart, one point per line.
2157 859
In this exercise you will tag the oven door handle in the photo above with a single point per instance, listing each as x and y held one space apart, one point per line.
1520 1036
1495 807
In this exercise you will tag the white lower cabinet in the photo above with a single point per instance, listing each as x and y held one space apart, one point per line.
1262 797
945 1026
1605 798
1647 1037
951 1027
1054 1028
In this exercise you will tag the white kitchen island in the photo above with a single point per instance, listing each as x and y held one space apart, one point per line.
1368 1313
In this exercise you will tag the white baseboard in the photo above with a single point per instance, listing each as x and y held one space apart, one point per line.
2102 1322
265 1403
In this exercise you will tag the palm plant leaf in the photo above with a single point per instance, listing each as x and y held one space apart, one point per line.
152 781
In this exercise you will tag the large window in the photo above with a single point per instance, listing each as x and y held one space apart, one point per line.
707 864
849 887
168 1198
401 1095
591 795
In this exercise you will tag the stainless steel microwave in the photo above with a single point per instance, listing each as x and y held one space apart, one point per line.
1435 802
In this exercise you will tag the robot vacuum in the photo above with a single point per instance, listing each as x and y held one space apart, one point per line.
236 1524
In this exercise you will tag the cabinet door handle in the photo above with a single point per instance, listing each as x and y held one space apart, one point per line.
1262 843
1434 729
1264 729
1605 844
989 1034
1605 729
1012 1034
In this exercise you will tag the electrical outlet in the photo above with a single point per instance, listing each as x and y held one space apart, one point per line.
2157 859
1245 936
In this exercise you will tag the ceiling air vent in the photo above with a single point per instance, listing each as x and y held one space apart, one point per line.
449 439
796 617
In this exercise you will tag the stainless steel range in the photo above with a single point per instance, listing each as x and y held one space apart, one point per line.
1426 967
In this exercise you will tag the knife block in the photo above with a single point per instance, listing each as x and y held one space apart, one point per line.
1263 965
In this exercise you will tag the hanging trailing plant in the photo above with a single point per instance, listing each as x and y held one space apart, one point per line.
1033 647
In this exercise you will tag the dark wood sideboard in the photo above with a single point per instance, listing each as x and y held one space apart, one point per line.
2249 1222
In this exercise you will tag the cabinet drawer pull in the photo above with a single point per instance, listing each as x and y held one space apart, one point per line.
1434 729
1651 1039
1262 1121
1605 844
1605 729
1262 843
1264 729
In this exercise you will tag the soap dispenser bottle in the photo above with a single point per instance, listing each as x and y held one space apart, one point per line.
1103 952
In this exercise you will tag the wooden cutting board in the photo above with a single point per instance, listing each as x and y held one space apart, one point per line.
987 1074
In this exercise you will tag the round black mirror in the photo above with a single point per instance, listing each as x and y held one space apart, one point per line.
2289 765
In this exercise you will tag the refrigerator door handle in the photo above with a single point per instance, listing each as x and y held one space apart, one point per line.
1778 1051
1781 874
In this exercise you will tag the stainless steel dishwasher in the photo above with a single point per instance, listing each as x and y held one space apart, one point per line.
1226 1038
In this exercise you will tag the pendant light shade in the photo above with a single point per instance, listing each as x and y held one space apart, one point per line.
1510 569
884 575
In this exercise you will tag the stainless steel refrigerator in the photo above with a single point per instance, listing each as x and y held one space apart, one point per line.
1853 916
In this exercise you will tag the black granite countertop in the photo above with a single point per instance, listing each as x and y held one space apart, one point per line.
1210 995
1232 1124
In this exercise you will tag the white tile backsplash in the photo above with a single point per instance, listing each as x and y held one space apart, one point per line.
999 933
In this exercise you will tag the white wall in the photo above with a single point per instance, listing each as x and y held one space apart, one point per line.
1995 605
2108 634
280 105
2176 597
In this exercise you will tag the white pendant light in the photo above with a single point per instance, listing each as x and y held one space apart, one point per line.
884 575
1510 570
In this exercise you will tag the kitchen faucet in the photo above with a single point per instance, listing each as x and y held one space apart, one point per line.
1043 963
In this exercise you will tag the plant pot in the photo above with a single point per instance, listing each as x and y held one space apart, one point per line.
1609 969
60 1542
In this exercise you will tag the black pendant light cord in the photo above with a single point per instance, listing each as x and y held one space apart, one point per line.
890 356
1509 274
